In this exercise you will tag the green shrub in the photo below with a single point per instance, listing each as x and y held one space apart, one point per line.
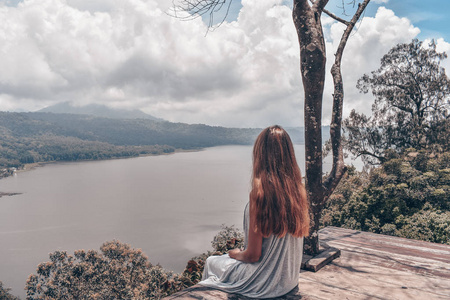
116 272
229 237
4 293
408 195
429 224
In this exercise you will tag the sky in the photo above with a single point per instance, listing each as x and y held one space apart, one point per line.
134 55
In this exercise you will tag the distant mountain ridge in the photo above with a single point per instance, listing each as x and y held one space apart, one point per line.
44 136
98 110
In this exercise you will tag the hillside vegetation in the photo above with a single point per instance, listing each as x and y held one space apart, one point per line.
41 137
407 196
25 139
407 138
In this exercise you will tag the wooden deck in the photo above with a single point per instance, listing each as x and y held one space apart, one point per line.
371 266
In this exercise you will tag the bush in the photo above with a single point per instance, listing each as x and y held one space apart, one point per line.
4 293
116 272
429 224
228 238
408 196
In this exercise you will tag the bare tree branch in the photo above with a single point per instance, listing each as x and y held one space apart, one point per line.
330 14
343 6
198 8
381 159
338 170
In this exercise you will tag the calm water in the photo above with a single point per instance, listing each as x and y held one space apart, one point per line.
169 206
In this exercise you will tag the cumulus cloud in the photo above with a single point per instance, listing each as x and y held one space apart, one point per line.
131 54
372 38
443 46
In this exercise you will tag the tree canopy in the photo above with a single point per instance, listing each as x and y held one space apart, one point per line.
411 108
5 293
407 196
116 272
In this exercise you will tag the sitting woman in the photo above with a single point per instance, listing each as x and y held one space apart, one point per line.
275 220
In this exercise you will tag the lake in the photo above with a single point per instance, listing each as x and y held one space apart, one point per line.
170 206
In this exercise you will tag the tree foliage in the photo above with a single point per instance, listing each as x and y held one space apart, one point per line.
411 108
116 272
42 137
229 237
407 196
5 294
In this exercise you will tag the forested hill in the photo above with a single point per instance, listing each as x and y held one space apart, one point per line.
38 136
99 111
125 132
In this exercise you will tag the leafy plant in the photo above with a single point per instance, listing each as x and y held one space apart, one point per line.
229 237
116 272
412 94
407 196
4 293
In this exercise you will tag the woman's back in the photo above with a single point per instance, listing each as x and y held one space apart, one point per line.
275 220
275 274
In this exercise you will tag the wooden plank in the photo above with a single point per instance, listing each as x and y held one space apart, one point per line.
316 263
305 259
374 266
404 254
200 292
371 266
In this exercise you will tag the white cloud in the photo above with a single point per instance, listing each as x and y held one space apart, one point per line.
443 46
372 38
131 54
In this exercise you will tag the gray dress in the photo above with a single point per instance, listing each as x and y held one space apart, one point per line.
275 274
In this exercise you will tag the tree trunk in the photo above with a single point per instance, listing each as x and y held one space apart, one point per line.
307 21
312 65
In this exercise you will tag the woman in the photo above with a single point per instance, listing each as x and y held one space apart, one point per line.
275 220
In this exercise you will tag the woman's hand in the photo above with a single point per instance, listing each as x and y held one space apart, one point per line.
234 253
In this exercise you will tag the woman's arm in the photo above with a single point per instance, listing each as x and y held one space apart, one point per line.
254 246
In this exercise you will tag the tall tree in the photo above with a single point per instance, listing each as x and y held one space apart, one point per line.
411 108
307 21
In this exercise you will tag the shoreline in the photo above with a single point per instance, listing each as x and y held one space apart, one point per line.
8 194
32 166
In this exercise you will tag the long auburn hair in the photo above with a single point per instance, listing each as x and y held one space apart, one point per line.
278 202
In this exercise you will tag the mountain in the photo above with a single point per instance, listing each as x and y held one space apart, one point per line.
98 110
44 136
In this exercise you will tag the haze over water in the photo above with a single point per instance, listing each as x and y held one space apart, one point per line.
170 206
